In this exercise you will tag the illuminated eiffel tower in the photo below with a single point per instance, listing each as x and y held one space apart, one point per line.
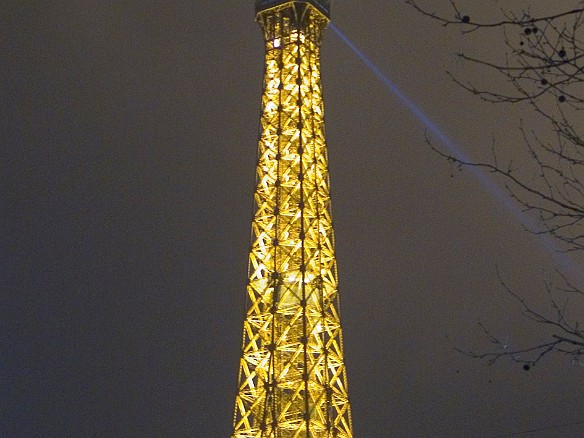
292 380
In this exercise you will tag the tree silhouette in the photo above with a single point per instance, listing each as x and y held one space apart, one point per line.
543 67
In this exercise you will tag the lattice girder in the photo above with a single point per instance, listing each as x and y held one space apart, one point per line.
292 377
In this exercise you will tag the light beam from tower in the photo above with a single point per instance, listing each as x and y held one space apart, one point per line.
563 261
292 377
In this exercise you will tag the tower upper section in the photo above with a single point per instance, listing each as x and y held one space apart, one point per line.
284 21
292 377
323 6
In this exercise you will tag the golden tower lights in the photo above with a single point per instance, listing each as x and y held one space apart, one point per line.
292 380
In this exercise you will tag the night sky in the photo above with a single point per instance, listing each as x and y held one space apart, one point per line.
129 132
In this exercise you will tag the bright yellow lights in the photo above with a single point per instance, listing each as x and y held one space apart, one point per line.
292 379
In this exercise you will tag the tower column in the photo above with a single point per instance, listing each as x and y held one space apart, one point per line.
292 380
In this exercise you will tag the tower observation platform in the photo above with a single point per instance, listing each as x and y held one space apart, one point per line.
323 6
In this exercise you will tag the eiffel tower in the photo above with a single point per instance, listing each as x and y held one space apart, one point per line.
292 378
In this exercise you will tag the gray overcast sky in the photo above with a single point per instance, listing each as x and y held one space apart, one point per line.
127 171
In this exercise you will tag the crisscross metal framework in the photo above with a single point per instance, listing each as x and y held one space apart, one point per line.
292 379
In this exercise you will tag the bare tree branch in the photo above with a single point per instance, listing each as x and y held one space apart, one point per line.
459 18
543 68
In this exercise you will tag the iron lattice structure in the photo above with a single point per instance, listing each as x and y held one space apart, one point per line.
292 379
